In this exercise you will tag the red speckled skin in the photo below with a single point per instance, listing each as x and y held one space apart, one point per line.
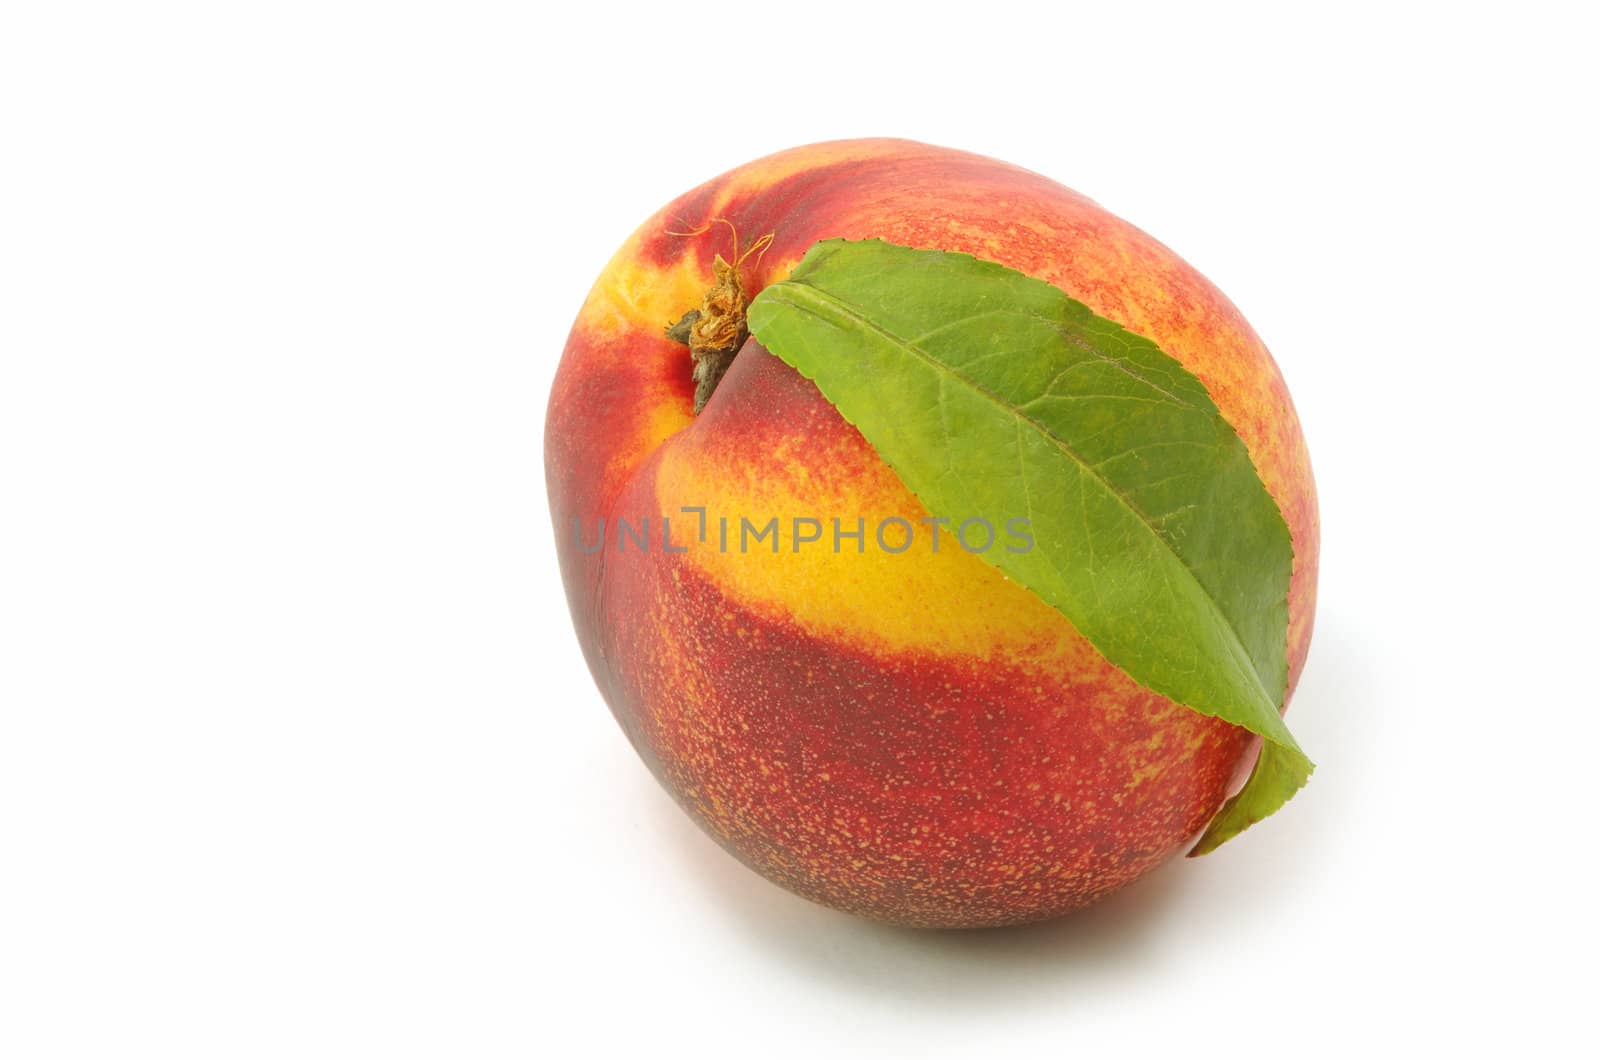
909 737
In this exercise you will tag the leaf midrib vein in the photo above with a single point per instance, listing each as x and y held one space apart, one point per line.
855 315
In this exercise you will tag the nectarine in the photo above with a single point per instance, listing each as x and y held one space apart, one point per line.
902 733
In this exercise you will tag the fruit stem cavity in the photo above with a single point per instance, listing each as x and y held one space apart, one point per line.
717 330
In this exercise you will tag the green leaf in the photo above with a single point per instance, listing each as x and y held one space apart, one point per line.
995 396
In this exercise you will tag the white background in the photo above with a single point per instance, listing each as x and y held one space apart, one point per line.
299 756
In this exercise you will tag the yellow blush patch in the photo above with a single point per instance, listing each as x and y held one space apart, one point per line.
949 602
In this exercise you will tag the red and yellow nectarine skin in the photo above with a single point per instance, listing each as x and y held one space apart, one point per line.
912 737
